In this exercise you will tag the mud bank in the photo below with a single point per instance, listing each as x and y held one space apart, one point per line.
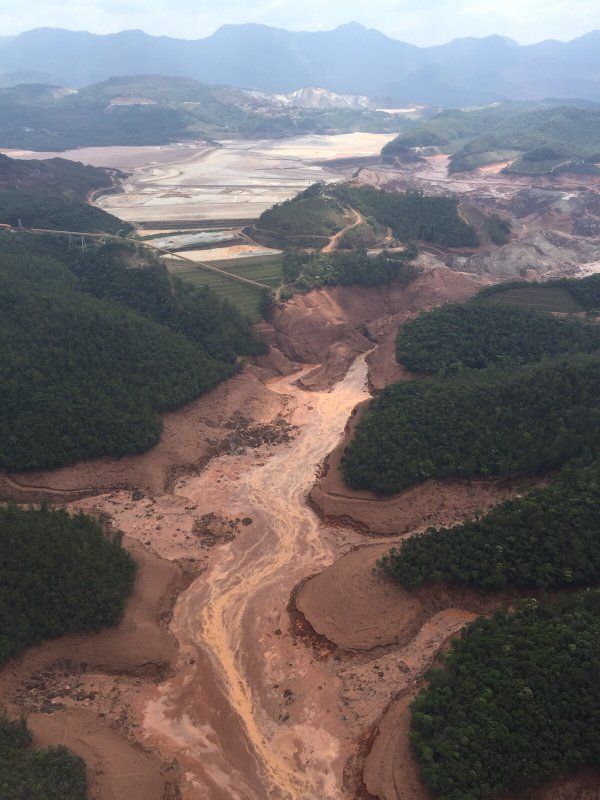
190 438
332 326
357 609
432 503
70 688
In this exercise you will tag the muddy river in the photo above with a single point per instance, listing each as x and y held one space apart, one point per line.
221 710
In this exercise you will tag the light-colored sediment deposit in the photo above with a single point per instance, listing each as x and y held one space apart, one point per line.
237 179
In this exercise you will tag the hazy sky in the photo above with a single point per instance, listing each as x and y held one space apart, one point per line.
419 21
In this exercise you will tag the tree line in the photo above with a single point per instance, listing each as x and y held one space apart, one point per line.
92 350
516 703
547 539
480 423
476 335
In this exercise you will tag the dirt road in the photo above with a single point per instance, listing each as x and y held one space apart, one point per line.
334 241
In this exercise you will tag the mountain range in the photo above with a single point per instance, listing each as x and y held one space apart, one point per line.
350 59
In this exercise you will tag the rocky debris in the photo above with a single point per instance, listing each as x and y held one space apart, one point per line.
538 254
42 691
245 435
212 529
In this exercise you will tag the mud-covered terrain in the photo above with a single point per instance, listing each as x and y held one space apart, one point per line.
555 220
260 655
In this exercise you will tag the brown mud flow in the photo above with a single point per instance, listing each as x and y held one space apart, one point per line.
246 709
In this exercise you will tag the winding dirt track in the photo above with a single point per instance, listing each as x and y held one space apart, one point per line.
219 711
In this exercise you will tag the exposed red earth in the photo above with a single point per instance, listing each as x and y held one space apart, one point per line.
215 685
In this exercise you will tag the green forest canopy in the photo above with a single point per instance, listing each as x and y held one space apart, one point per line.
310 218
52 193
517 703
476 335
306 272
53 773
549 538
477 424
413 216
545 133
93 349
58 574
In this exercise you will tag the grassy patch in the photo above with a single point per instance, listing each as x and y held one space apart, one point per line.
264 269
539 298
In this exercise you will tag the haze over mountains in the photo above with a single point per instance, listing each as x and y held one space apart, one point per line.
350 59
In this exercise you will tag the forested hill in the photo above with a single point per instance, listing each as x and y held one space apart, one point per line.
314 215
538 137
481 423
517 704
476 335
155 109
549 538
93 346
53 193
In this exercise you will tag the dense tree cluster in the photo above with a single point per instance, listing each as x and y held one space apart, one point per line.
116 272
548 538
412 215
498 229
585 291
53 193
481 423
28 774
40 209
517 703
305 272
85 375
58 574
477 335
307 220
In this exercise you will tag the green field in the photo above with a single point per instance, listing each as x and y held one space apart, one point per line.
264 269
538 298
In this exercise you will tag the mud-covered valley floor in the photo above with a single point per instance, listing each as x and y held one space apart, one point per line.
260 656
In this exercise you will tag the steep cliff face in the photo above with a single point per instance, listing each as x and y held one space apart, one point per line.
330 327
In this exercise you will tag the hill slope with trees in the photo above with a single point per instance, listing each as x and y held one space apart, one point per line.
93 350
476 335
139 110
59 574
480 423
53 773
538 137
516 704
53 193
313 216
549 538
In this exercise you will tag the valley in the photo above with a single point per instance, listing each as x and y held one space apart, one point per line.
262 655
